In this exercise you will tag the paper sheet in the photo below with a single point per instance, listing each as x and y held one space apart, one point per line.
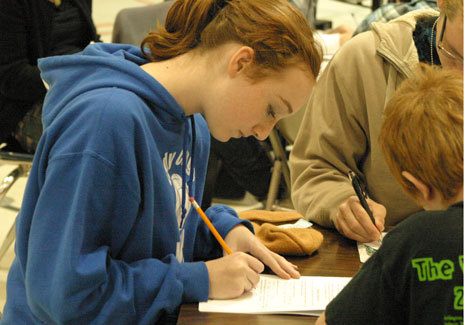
301 224
367 249
308 295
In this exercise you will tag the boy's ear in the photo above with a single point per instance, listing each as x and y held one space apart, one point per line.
240 60
423 189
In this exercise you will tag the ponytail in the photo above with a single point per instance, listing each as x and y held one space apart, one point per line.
184 24
278 33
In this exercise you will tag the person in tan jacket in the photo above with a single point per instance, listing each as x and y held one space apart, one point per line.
343 118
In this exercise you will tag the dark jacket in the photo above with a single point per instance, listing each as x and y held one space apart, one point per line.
25 27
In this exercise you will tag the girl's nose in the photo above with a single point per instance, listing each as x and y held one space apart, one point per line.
261 131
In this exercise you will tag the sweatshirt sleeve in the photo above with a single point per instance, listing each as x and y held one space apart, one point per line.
332 139
224 219
73 276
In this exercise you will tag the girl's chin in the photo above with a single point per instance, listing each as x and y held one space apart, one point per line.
221 137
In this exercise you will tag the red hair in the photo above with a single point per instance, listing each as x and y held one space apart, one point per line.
277 32
422 131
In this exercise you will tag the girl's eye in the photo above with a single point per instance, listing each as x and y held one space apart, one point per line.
271 111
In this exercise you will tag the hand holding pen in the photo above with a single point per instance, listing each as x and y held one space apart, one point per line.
360 193
359 217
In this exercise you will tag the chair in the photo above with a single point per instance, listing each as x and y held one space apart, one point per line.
132 24
288 129
23 163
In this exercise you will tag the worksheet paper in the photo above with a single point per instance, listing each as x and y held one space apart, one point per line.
366 250
308 295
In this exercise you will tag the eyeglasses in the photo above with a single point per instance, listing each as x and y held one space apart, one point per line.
453 56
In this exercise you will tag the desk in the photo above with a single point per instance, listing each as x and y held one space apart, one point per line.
337 256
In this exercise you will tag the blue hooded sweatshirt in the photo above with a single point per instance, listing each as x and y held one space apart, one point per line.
106 234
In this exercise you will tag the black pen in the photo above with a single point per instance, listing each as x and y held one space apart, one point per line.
361 193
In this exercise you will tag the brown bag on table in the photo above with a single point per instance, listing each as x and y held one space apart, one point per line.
290 241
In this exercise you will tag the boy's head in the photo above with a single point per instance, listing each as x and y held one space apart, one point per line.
422 136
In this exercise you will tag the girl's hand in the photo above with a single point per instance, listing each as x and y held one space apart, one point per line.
232 275
242 240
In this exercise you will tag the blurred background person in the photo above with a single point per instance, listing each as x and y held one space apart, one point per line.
29 30
393 10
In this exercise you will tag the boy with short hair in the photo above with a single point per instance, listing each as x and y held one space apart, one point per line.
416 277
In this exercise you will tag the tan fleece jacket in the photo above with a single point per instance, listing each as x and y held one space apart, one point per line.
342 123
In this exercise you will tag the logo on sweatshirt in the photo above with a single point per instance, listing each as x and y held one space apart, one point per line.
173 165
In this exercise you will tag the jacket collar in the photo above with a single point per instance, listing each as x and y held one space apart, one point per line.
395 43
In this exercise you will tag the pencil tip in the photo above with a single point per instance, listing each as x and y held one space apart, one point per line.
191 199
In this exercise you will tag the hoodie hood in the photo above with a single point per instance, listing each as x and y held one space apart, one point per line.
98 66
110 67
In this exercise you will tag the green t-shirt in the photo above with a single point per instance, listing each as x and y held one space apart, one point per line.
416 277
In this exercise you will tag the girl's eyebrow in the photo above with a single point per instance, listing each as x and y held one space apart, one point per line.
288 104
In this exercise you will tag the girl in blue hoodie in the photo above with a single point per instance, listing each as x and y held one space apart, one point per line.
106 234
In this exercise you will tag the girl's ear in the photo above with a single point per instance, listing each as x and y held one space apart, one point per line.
423 189
240 60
